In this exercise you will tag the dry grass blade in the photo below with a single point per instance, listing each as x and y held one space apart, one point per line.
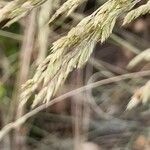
17 9
142 10
67 8
73 50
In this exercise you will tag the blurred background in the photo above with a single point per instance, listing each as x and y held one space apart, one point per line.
96 119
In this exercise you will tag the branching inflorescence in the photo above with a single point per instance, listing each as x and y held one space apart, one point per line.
135 13
17 9
73 50
67 8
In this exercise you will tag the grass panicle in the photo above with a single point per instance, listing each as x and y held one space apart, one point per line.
67 8
17 9
73 50
135 13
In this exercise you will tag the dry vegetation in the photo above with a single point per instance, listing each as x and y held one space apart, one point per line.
97 102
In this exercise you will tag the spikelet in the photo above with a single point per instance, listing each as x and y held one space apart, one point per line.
142 10
142 95
73 50
17 9
67 8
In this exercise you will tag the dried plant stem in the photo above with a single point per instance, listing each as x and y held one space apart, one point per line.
5 130
77 102
11 35
86 106
125 44
23 74
43 29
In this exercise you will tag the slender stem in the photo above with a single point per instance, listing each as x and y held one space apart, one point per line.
6 129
